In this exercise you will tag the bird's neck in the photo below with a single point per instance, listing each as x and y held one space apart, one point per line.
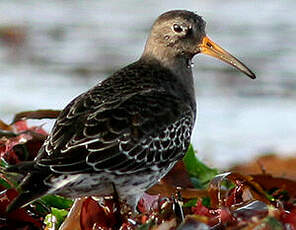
179 65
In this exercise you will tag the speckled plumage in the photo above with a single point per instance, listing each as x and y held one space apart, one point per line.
130 129
121 134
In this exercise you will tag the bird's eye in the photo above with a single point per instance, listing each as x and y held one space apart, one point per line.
177 28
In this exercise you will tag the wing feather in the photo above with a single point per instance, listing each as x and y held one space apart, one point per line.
114 129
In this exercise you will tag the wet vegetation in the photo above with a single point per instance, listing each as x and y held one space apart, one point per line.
191 196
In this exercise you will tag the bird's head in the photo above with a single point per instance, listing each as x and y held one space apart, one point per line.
180 34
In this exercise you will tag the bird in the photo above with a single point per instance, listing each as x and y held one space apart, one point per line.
130 129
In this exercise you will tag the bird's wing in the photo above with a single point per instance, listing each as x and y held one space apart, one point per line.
126 135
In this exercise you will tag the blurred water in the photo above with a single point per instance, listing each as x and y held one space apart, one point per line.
58 49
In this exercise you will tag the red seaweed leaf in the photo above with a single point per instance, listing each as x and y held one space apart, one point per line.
22 125
27 139
289 218
7 145
18 219
245 189
98 215
148 203
201 210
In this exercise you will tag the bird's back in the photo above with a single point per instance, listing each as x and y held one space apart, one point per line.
136 123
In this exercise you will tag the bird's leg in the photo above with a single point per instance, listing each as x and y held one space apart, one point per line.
123 212
118 208
177 206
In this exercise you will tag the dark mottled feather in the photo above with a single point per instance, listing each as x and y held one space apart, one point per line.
124 119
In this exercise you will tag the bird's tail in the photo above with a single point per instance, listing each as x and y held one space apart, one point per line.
32 186
20 168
